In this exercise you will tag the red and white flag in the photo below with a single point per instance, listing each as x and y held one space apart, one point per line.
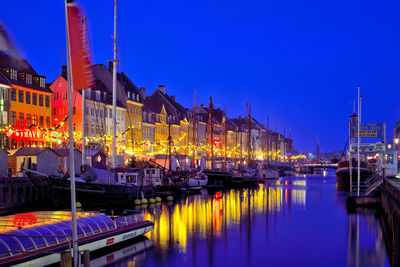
82 74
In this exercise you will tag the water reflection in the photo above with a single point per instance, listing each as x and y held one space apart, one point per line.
294 221
208 215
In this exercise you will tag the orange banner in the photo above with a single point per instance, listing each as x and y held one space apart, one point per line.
82 75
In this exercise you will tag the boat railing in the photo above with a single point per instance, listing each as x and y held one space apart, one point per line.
32 239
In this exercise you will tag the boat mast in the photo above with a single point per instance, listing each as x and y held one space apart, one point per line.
114 88
248 134
276 141
267 139
225 139
169 141
211 133
71 145
358 142
194 130
240 141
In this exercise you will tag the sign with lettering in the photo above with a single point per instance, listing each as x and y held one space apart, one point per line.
368 147
32 134
368 130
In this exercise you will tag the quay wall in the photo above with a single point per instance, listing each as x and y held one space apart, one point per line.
390 201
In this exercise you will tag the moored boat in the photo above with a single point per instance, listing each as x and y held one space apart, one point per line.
343 173
198 180
218 178
37 238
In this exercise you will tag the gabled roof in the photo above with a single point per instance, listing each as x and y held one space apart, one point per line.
32 151
130 87
21 66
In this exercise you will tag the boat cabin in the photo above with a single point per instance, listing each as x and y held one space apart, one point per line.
41 159
128 178
3 163
153 176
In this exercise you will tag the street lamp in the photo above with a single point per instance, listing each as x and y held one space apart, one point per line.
396 141
389 146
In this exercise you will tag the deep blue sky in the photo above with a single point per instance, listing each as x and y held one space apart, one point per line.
299 59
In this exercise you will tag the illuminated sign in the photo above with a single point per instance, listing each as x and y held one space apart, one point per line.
32 134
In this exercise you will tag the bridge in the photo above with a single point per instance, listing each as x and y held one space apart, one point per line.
310 167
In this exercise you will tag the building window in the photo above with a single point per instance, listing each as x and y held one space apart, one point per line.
42 82
5 94
13 74
28 97
41 121
28 120
13 94
34 121
54 111
56 96
21 119
21 96
73 110
47 100
64 95
41 100
92 112
29 78
92 128
34 99
47 121
13 118
97 113
105 112
74 127
101 113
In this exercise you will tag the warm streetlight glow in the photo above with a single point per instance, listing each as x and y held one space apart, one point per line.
396 141
389 146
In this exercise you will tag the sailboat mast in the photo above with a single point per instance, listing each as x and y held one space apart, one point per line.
71 145
225 139
267 139
114 88
240 140
248 135
194 130
211 133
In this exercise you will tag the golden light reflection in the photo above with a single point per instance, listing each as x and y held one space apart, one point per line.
201 216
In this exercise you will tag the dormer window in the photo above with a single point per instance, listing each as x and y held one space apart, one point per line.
133 96
137 97
28 78
98 95
13 74
129 94
42 82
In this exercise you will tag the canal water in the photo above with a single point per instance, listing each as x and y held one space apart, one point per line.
293 221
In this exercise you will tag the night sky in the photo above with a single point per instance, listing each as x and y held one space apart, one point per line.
300 60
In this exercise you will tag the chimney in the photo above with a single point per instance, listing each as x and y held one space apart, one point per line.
143 92
110 66
173 98
161 88
64 70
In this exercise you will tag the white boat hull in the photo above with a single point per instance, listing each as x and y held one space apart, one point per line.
193 182
92 246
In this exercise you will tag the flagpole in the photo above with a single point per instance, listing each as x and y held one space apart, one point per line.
114 88
71 148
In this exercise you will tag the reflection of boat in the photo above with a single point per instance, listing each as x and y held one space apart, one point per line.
343 173
33 238
122 253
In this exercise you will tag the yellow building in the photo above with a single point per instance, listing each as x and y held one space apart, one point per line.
133 115
30 104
